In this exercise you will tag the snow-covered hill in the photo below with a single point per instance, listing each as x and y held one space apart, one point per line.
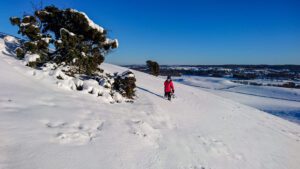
44 126
282 102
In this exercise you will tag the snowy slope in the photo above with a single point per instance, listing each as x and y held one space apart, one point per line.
227 85
282 102
43 126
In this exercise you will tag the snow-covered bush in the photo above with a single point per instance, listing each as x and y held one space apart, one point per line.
99 86
78 41
20 52
125 84
29 26
78 48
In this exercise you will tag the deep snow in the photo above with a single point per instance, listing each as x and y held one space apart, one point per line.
44 126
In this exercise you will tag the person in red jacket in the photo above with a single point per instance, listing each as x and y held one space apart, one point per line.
169 87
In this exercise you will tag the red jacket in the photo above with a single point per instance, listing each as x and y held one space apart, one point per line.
169 87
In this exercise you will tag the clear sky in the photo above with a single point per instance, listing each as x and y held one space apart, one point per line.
188 31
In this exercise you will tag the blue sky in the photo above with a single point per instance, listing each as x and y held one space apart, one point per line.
188 31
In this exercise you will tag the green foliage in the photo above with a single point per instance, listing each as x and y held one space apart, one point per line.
20 53
30 46
153 67
125 84
15 20
33 64
78 41
53 19
29 27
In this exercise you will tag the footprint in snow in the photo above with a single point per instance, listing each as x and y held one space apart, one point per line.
218 148
45 101
76 133
294 135
56 124
195 167
144 131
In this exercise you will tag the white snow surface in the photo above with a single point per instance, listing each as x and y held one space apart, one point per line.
31 57
11 40
43 126
283 102
227 85
268 91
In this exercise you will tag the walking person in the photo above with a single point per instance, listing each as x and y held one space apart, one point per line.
169 88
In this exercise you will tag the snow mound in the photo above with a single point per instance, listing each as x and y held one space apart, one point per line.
101 88
31 58
11 39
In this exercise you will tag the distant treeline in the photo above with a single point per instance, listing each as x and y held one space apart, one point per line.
294 68
236 71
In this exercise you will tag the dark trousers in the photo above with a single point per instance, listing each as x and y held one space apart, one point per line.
168 95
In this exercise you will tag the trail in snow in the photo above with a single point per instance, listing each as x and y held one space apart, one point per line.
44 126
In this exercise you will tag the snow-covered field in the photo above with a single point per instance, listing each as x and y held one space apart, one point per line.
45 126
206 82
282 102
